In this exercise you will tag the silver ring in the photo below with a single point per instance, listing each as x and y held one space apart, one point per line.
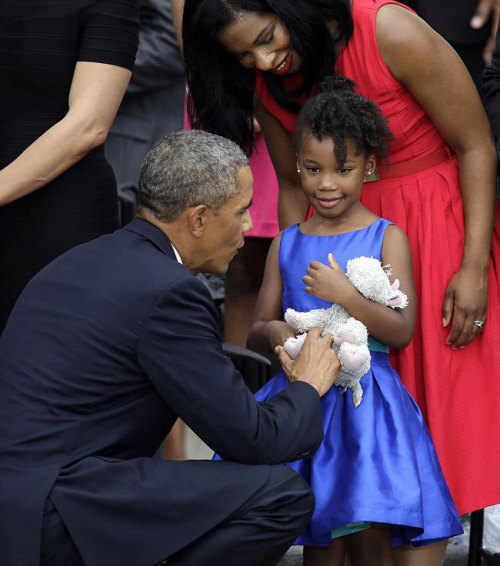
479 324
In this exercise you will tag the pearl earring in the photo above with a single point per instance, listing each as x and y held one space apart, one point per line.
369 172
298 170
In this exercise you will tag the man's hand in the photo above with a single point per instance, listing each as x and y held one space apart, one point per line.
316 364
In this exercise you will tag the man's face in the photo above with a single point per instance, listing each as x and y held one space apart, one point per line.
224 231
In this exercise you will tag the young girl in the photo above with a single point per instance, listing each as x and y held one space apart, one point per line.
439 188
377 466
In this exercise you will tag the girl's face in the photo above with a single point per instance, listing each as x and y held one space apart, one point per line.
262 41
332 190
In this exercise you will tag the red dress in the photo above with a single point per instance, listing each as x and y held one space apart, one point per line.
457 391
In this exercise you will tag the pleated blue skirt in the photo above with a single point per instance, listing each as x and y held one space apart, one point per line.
377 463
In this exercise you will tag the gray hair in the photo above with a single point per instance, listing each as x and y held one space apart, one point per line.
188 168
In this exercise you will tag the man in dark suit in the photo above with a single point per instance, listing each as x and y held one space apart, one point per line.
113 341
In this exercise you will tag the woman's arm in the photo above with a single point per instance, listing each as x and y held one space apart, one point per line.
292 204
95 95
269 330
429 68
393 327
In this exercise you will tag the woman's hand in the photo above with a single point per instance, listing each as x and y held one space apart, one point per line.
328 283
465 301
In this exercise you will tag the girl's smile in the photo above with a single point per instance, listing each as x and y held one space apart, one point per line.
329 203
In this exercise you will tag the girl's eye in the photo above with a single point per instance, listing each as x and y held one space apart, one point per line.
344 170
312 169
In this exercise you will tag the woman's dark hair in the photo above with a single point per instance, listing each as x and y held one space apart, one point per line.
222 89
338 113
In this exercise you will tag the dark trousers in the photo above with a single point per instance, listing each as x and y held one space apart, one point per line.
257 534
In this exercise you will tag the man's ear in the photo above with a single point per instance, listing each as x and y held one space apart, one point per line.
197 219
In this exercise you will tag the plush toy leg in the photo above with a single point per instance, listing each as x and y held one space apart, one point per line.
293 345
357 394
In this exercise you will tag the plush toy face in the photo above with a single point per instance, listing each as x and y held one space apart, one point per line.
372 281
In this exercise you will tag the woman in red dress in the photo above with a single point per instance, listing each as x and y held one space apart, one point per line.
438 186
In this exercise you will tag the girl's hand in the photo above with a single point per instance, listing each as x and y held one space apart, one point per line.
465 301
328 283
278 332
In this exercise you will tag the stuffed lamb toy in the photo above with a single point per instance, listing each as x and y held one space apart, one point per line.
350 335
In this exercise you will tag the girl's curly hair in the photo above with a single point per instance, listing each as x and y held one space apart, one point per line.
339 113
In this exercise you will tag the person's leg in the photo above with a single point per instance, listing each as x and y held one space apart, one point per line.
243 281
333 555
371 547
430 555
261 531
58 548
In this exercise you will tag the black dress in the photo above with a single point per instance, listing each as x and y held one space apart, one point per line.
40 43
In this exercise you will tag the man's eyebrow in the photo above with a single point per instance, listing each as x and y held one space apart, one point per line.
262 34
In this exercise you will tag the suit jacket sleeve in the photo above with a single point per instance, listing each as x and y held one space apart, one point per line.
181 352
491 90
158 62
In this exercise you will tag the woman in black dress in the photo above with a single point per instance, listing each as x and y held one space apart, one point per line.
64 68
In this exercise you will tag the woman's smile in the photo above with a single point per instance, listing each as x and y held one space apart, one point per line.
284 67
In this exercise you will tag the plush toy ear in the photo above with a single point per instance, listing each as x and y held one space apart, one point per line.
395 285
395 302
399 300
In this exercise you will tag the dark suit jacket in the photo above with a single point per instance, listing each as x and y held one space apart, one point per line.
153 103
104 349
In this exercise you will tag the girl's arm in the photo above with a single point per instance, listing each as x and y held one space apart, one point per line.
292 204
393 327
429 68
268 329
96 92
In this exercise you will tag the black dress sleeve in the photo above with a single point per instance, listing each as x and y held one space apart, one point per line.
109 32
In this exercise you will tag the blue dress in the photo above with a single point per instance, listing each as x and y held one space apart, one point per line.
377 462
